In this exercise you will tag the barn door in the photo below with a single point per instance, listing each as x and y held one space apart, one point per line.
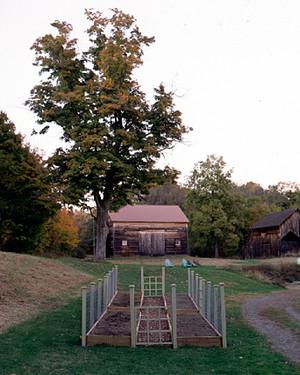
152 243
158 243
145 243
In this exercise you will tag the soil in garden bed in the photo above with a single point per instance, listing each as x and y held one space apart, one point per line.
113 324
183 301
117 323
153 301
122 299
193 325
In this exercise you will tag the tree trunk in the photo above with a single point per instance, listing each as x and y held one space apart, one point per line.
102 229
216 248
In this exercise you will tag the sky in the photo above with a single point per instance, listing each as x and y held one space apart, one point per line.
234 68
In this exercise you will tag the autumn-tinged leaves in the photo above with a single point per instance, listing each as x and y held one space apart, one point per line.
114 135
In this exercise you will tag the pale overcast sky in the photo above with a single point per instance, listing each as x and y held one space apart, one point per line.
234 65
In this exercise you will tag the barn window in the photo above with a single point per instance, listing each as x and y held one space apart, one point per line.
177 243
124 242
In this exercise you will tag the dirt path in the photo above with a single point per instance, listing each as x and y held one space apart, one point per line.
282 339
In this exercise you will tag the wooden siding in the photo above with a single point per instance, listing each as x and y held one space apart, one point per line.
263 243
267 242
291 224
148 239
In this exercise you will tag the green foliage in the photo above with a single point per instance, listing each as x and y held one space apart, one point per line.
278 197
26 200
115 137
284 195
212 208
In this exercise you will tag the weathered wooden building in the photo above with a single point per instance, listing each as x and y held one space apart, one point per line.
274 234
148 230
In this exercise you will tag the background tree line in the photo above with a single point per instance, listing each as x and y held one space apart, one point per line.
221 212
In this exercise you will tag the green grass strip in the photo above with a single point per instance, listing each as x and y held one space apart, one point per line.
283 319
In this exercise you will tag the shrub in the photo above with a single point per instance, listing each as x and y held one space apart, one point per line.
60 235
279 274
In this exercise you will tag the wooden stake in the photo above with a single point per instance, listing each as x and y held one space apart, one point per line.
83 319
92 304
201 296
223 315
174 317
132 317
142 280
163 279
99 304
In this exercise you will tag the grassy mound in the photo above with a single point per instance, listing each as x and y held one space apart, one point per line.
30 284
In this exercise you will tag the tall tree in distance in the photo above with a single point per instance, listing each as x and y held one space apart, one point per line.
213 216
114 135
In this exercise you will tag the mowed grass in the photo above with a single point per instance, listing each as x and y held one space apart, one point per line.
50 344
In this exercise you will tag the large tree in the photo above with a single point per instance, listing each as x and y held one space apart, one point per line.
26 200
114 136
212 208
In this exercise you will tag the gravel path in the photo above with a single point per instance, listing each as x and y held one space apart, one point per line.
282 339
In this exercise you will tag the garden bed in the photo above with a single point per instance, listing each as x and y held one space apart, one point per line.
121 302
113 328
184 303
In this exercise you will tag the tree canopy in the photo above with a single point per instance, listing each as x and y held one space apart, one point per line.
26 200
114 135
213 208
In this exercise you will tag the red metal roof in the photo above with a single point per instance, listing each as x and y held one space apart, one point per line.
147 213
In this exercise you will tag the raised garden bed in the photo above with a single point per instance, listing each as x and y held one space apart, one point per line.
184 304
121 302
113 328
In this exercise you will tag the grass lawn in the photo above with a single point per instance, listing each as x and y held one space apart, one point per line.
50 344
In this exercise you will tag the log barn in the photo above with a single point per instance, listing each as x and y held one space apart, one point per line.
274 234
148 230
